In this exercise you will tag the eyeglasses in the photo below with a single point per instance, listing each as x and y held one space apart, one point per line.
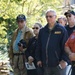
35 28
20 21
49 16
69 15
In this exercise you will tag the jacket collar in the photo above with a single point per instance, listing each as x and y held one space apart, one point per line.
25 29
47 28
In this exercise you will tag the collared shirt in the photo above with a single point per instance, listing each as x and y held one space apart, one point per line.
21 37
18 38
23 32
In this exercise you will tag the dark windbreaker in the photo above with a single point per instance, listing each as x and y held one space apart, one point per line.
50 47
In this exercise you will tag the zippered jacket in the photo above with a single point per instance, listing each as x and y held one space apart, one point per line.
50 47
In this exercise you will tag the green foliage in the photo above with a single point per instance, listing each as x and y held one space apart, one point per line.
33 9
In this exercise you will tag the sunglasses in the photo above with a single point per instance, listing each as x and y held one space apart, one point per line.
35 28
20 21
69 15
49 16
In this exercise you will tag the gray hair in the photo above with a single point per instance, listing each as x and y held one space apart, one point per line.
51 10
62 18
39 25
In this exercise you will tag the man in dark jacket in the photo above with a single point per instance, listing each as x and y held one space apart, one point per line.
50 52
70 15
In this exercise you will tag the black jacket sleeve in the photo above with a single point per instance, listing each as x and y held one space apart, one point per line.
63 53
38 48
27 52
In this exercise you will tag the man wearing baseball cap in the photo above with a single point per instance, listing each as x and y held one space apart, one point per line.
16 53
70 15
70 50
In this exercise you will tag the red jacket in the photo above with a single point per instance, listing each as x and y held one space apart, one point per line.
71 42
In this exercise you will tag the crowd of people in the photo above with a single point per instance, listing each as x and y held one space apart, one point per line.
48 50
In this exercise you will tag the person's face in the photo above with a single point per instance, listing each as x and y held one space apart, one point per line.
62 22
70 18
21 23
50 17
36 29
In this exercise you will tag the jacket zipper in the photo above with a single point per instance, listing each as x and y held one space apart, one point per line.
57 56
47 49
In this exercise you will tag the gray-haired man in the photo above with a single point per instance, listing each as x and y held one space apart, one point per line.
50 50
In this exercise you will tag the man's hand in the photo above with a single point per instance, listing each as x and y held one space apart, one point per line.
30 59
21 47
72 56
39 64
63 64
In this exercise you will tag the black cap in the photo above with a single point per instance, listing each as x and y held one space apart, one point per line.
21 17
69 12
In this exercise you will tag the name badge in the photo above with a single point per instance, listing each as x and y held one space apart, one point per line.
57 32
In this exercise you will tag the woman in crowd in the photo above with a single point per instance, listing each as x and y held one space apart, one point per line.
30 52
62 21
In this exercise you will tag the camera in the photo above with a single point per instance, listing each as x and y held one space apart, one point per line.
22 42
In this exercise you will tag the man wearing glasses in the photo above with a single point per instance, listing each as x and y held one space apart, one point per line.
50 52
16 53
70 50
70 15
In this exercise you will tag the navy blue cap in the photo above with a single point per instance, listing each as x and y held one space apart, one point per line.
21 17
69 12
